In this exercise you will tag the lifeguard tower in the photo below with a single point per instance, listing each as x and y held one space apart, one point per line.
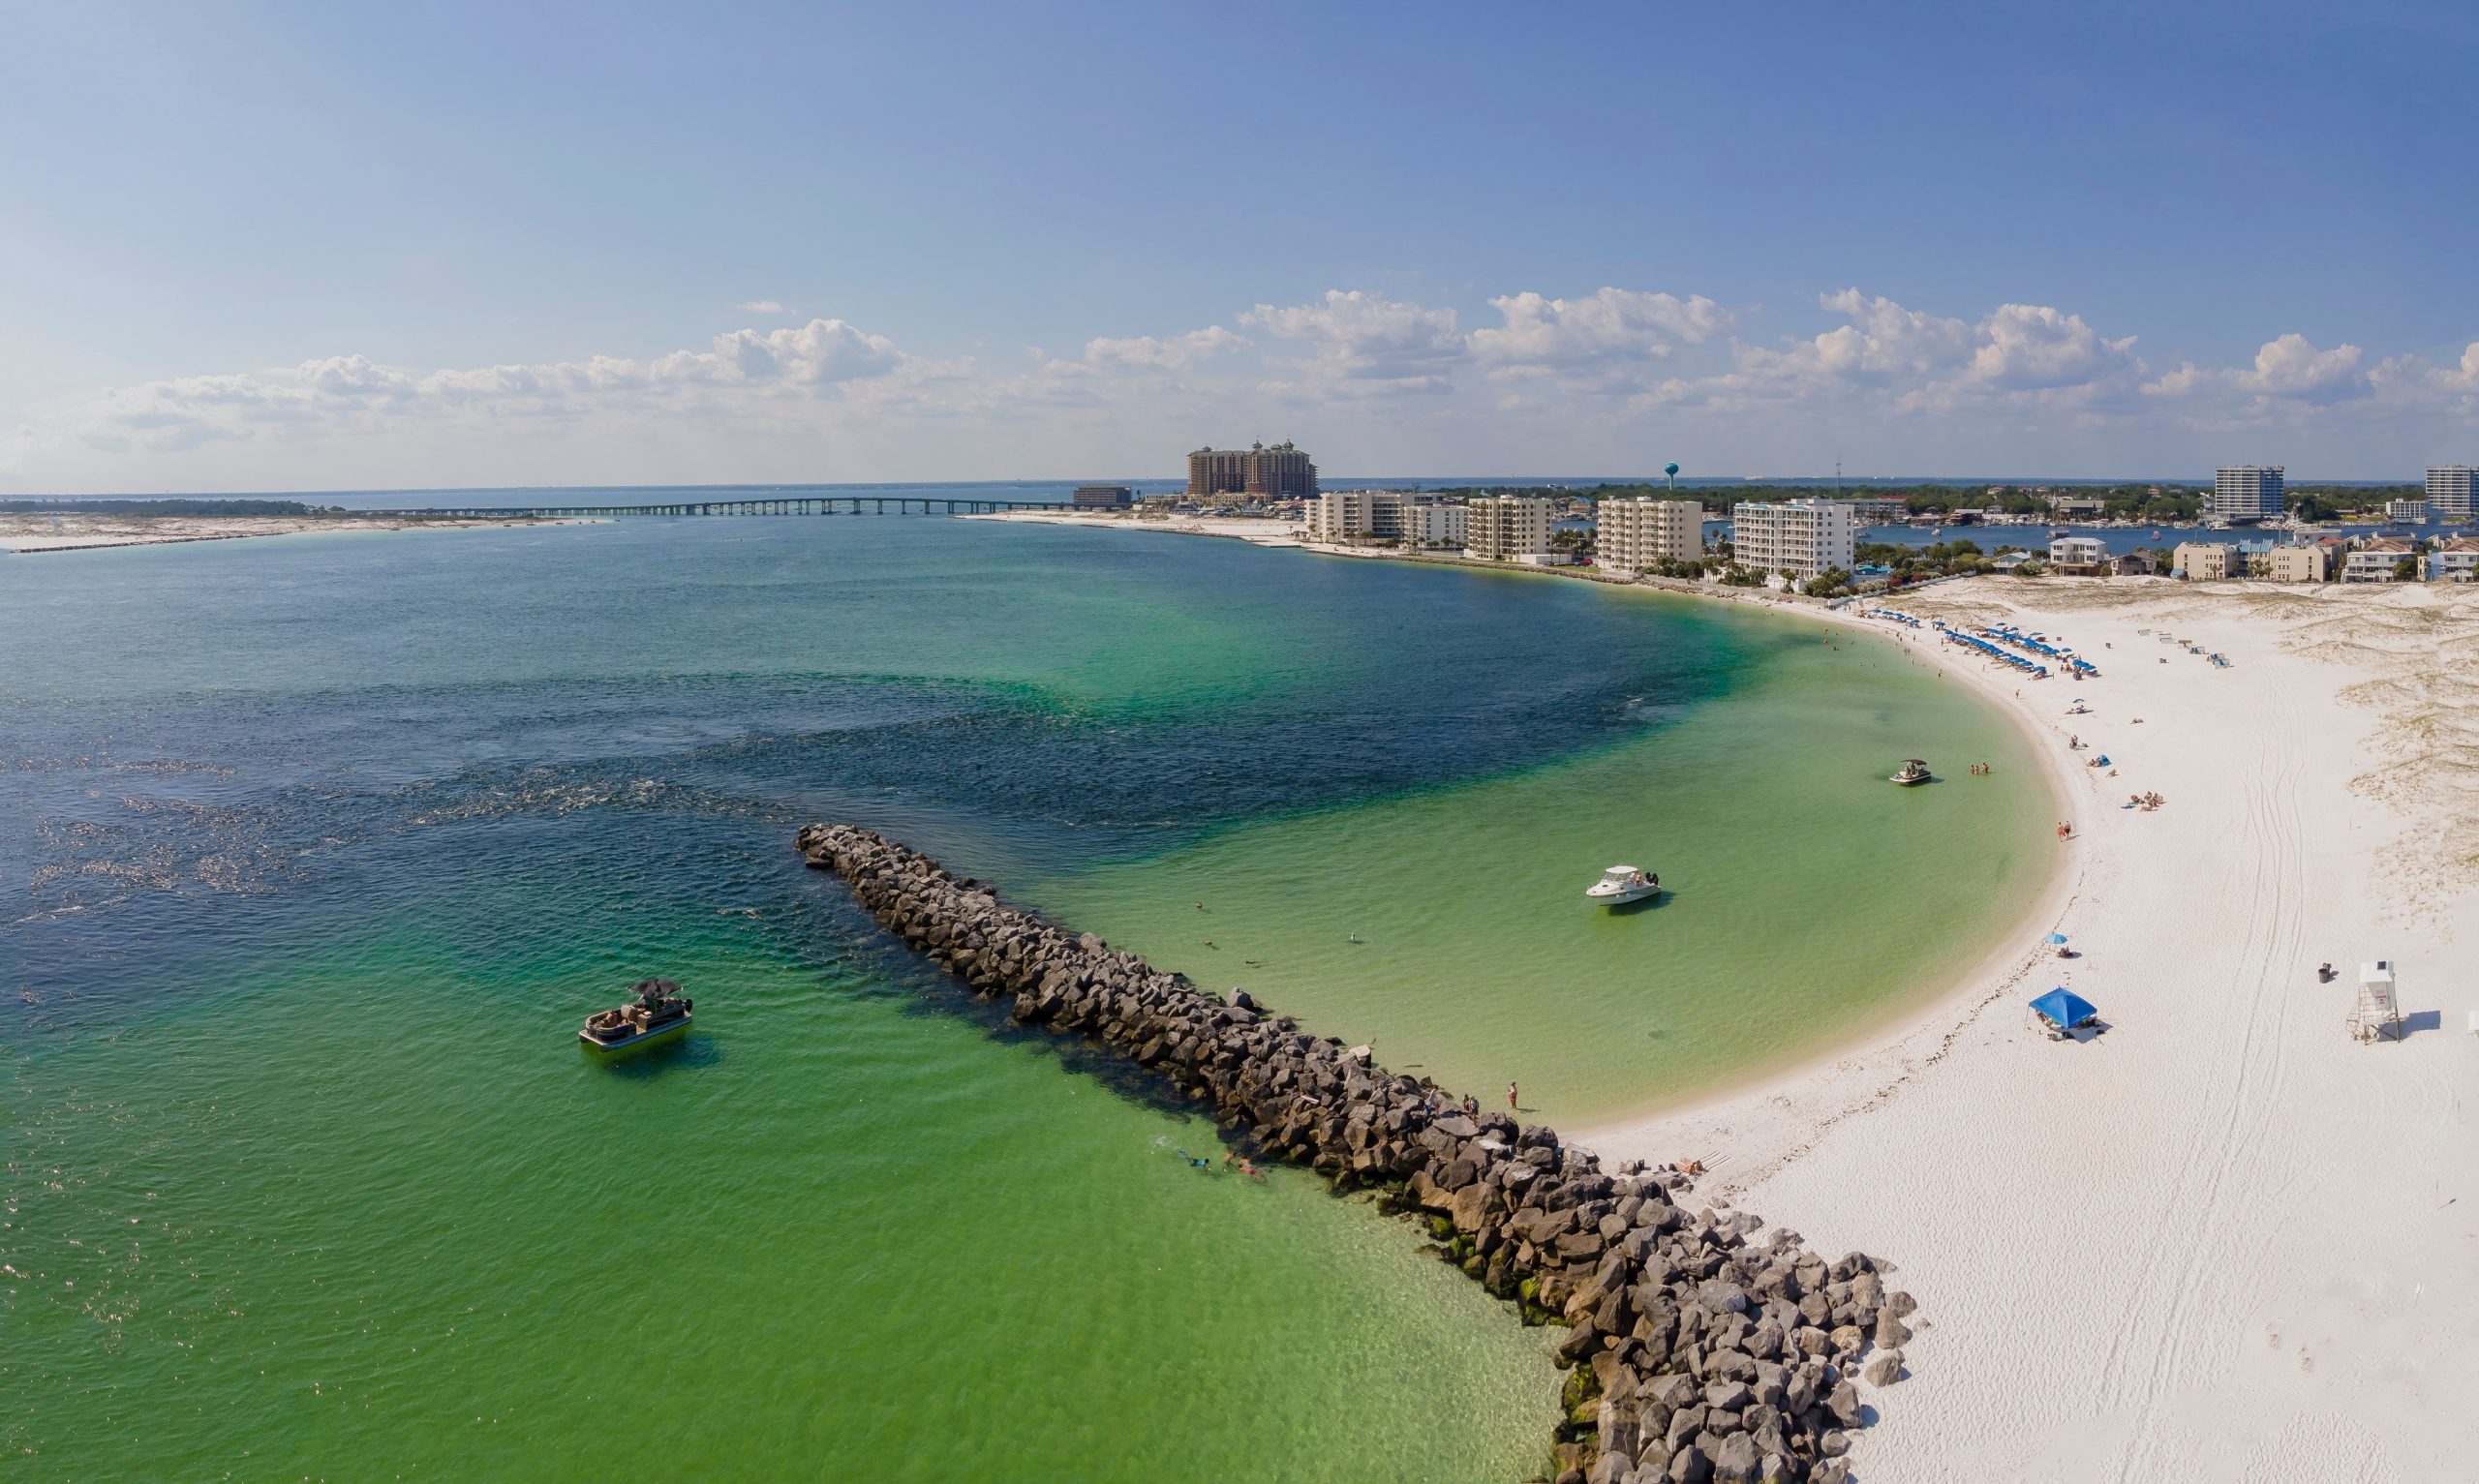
2378 1010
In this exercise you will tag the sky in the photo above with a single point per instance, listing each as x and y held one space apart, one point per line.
257 246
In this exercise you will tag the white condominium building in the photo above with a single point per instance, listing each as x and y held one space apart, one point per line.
2449 490
2246 492
1507 528
1635 534
1802 537
1438 525
1340 516
2407 512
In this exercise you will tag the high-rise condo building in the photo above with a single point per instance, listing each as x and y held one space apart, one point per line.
1507 528
2246 492
1631 534
1800 536
2449 490
1277 472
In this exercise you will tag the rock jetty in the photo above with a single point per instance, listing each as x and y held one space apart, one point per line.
1695 1351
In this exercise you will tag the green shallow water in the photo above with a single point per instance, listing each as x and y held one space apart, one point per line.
1806 898
314 852
279 1233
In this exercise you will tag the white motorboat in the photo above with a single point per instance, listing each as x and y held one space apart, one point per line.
1623 884
1913 772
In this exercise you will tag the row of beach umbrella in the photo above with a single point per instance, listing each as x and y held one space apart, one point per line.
1982 644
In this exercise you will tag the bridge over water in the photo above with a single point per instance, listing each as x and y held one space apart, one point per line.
771 505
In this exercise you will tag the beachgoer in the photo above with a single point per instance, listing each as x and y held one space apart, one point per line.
1511 1097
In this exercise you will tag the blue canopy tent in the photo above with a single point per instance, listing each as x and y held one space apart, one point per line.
2056 937
2064 1009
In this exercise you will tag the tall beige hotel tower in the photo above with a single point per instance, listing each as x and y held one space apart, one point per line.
1279 473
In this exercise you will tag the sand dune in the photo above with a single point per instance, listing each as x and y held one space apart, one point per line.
2221 1240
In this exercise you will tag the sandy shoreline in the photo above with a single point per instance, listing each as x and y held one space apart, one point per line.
34 533
2221 1240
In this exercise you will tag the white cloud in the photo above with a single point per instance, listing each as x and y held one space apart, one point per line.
1358 337
2292 366
760 307
2294 380
350 392
1595 378
1170 354
1603 341
2033 347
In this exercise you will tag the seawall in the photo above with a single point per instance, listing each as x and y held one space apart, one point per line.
1696 1353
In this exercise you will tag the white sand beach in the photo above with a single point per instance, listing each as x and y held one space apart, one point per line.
2221 1239
34 530
1257 529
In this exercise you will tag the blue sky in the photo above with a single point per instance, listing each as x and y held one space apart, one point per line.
271 247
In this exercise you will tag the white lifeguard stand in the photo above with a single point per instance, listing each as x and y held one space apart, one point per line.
2378 1010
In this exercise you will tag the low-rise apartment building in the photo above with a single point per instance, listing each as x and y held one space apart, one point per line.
2405 512
2299 563
2203 561
1632 534
1341 517
1507 528
1799 537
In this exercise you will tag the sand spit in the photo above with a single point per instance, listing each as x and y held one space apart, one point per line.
35 531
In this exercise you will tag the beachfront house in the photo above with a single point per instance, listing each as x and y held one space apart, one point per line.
2456 561
2377 561
2131 564
2203 561
2079 556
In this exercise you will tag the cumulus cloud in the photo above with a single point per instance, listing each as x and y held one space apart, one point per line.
2293 380
346 392
2033 347
1600 342
1169 354
1358 337
1908 360
1564 371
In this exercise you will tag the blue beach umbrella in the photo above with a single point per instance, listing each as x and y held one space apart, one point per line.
2056 937
2064 1009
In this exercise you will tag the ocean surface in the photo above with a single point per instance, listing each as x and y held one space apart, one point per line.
314 851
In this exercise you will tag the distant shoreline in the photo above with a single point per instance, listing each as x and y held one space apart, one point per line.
35 534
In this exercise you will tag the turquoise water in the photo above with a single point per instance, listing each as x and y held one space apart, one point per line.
312 851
